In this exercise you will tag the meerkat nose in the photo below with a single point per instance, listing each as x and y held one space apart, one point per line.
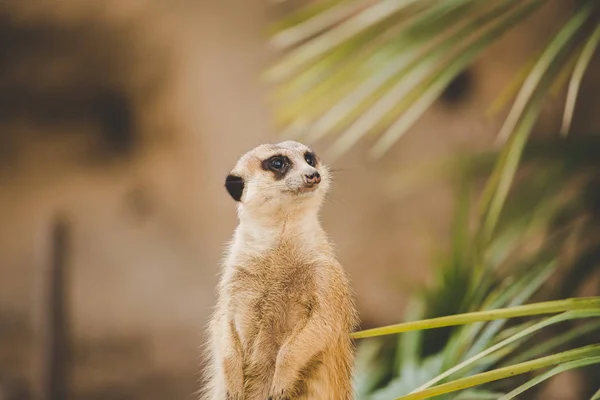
312 179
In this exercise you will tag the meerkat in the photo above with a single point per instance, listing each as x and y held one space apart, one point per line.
285 309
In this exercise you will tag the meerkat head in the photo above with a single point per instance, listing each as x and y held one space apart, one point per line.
278 177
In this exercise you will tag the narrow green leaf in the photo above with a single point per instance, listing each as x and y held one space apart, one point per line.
511 294
512 88
565 71
320 85
368 72
518 125
570 315
506 372
549 345
409 68
334 71
441 80
547 375
596 396
501 180
348 106
382 107
532 283
360 22
409 345
478 395
316 24
548 307
558 44
576 78
302 14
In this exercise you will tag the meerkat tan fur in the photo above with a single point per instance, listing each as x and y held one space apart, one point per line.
284 312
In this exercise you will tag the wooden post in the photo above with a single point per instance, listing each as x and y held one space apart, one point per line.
54 318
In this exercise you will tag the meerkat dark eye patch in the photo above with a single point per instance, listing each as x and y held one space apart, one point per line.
278 164
235 186
310 158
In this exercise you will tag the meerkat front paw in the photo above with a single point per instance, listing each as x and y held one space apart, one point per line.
235 392
281 393
279 396
234 380
284 386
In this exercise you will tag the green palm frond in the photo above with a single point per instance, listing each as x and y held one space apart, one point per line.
577 77
353 68
593 313
511 279
550 307
565 366
566 360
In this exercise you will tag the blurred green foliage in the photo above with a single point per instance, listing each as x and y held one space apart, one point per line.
352 68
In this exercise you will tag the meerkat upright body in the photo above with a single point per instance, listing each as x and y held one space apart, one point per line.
284 313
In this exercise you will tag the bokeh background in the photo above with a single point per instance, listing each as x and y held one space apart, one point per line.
119 121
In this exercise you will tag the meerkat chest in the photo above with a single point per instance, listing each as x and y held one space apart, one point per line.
271 300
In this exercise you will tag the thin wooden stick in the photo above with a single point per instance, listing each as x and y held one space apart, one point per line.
54 333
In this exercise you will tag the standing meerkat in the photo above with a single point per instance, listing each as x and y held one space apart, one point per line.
282 323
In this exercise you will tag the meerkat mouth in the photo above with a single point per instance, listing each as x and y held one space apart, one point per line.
308 188
303 190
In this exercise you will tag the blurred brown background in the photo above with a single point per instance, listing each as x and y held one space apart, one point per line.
125 116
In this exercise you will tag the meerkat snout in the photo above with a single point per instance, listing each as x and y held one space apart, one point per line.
312 179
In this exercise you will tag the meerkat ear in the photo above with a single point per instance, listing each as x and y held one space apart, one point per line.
235 186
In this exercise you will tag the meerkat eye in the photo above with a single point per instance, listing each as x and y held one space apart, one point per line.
276 163
310 159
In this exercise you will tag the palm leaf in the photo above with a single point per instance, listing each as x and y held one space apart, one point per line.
554 342
544 63
351 61
577 77
518 336
311 21
520 121
583 362
513 370
354 68
478 395
438 82
418 51
511 296
354 26
548 307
